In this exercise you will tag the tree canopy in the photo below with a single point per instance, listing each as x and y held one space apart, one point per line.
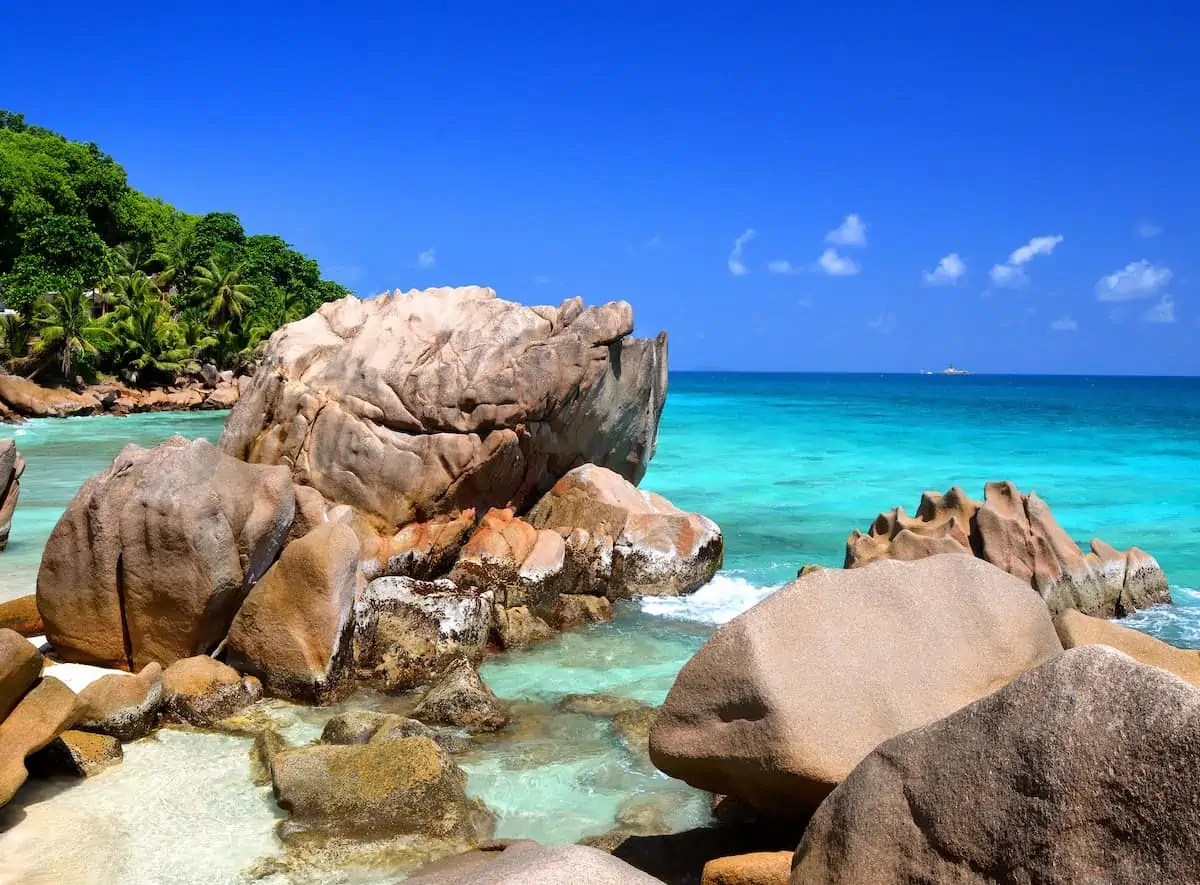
71 224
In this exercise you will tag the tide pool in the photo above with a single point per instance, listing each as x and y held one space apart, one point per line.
786 464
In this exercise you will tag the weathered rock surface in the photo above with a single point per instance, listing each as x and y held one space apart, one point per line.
528 863
42 715
782 702
12 465
154 555
76 754
1083 770
406 631
21 398
1076 629
1018 534
380 788
622 541
756 868
200 691
21 615
575 610
20 667
31 400
294 629
521 565
414 405
518 627
461 698
426 550
125 707
361 726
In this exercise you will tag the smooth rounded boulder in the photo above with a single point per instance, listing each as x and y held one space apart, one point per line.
781 703
412 405
1076 629
523 862
1082 770
1020 535
20 666
201 691
125 707
42 715
295 628
155 554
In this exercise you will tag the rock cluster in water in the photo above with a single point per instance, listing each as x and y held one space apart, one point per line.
1019 534
406 480
12 465
21 398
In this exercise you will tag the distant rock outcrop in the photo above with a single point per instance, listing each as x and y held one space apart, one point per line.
1019 534
419 404
12 465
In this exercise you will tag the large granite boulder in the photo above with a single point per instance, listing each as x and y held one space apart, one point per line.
42 715
1076 629
621 541
781 703
1084 770
412 405
295 628
1019 534
12 465
406 631
407 786
528 863
154 555
27 398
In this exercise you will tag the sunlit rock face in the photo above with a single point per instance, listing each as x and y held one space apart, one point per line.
422 403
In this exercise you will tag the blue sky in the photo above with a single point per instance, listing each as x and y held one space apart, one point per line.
622 151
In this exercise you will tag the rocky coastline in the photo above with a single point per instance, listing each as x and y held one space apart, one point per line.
413 483
21 398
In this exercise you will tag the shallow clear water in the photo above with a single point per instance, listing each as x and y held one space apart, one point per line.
788 465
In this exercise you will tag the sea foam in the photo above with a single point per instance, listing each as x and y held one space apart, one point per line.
719 601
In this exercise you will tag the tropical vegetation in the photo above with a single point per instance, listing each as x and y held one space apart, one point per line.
97 278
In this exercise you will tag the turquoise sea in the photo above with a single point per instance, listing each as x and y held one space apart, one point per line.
787 465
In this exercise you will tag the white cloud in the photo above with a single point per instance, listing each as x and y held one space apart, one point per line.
835 265
1011 275
851 232
884 324
1138 279
1064 324
427 259
804 302
1036 246
948 272
1148 229
782 266
1163 312
541 279
655 242
736 266
1008 277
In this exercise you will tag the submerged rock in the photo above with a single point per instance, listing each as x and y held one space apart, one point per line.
295 628
154 555
12 465
42 715
362 726
1076 629
410 406
200 691
76 754
406 631
1018 534
622 541
783 701
376 789
528 863
1084 769
125 707
461 698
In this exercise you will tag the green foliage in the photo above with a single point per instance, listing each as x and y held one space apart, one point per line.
173 287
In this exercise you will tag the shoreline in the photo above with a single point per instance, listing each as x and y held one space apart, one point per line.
21 399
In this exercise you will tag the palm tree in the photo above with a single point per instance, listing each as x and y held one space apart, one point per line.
15 333
127 293
151 341
223 291
67 330
197 336
172 260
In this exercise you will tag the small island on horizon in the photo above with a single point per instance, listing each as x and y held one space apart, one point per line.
949 370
